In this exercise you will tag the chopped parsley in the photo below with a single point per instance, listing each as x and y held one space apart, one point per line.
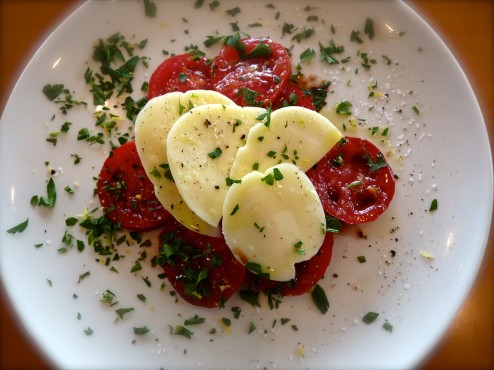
140 331
50 199
433 205
215 153
19 228
370 317
320 299
150 8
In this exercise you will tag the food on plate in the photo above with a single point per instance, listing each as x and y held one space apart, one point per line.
151 131
354 181
182 73
126 193
201 268
251 71
201 147
292 135
251 174
274 220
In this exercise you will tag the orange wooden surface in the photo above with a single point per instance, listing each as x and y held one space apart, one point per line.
467 27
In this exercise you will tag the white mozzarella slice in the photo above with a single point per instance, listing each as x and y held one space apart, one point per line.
201 147
151 130
292 135
273 225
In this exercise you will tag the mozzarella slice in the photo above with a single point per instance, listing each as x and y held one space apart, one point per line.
201 147
292 135
151 130
273 222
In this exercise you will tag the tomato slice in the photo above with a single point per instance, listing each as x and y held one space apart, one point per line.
202 269
293 95
126 193
255 76
182 73
307 273
354 181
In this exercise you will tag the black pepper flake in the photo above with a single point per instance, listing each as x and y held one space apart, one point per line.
393 252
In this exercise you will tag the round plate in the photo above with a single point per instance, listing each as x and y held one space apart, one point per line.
420 263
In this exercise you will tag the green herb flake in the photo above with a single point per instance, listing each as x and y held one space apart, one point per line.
379 163
252 328
150 8
327 53
182 77
361 259
229 181
181 330
304 34
333 225
433 205
387 326
355 37
260 50
265 118
88 331
307 55
370 317
299 247
320 299
121 312
235 210
195 320
140 331
53 91
369 28
19 228
251 297
268 179
215 153
48 201
83 276
234 11
261 229
344 108
415 109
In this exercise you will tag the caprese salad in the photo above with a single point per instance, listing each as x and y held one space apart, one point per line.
244 176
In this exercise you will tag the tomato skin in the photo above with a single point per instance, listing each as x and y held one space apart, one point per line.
307 273
126 193
182 73
348 189
293 95
267 76
192 254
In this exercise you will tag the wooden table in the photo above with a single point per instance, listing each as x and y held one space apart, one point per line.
467 27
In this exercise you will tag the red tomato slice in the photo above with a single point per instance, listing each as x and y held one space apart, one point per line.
354 181
182 72
202 269
293 95
307 273
126 193
256 80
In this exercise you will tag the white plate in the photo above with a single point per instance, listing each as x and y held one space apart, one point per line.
440 153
